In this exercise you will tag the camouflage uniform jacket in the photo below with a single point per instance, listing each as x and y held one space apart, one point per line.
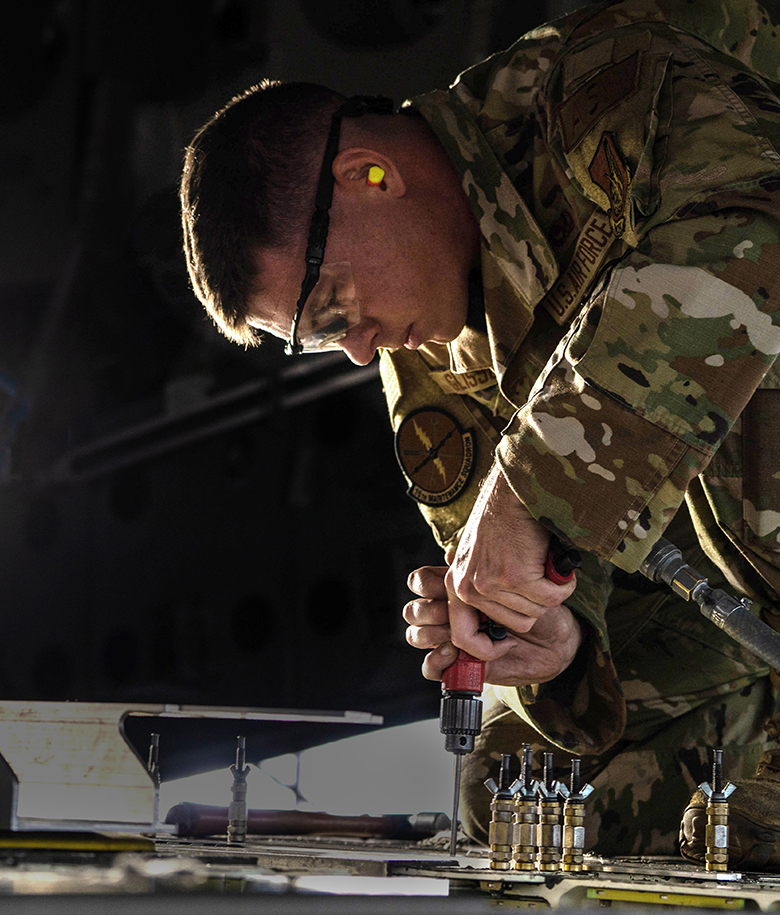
624 166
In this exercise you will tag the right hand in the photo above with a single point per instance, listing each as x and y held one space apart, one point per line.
499 566
534 656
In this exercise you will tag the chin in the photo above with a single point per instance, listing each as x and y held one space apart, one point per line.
454 334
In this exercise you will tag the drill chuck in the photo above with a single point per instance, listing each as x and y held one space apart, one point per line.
460 720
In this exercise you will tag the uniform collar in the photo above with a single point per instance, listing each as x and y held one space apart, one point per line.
517 261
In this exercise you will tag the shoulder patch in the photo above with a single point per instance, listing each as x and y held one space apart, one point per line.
435 454
578 113
610 172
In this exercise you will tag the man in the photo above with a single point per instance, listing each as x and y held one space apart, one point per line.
568 263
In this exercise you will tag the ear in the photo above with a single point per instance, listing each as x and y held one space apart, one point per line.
351 169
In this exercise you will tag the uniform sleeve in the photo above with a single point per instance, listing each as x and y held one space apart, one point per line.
670 347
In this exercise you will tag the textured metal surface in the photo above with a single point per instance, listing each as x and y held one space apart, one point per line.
400 873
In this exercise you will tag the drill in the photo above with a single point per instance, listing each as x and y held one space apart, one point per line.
460 714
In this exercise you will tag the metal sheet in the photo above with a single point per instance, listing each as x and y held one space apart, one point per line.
67 765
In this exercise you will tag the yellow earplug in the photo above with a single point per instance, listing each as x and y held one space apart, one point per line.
376 175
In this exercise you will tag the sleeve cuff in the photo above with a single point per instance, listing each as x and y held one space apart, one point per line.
597 473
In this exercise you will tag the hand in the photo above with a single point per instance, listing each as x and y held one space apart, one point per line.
498 566
534 656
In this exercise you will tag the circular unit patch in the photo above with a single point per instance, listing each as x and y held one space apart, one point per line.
435 454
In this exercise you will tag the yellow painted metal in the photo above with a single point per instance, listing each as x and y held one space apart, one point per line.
75 841
702 901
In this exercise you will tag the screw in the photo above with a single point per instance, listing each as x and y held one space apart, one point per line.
549 777
576 780
504 776
717 771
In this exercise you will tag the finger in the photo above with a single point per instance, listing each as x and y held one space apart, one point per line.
428 581
514 611
438 660
520 619
427 636
546 592
516 670
465 623
479 590
541 654
525 663
424 612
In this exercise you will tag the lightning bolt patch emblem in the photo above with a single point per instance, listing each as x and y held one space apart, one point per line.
435 454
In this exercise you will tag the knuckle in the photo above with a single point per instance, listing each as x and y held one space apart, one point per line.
463 587
465 591
524 624
487 582
410 611
481 582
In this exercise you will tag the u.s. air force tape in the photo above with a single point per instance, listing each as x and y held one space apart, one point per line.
435 454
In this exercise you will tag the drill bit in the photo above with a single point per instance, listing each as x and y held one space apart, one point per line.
455 806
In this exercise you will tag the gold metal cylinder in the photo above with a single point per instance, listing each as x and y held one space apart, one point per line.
549 836
501 833
524 849
716 856
573 848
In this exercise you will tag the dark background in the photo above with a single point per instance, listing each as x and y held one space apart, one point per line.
181 520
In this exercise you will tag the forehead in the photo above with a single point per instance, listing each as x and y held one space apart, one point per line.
279 274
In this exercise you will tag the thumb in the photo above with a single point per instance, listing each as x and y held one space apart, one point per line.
438 660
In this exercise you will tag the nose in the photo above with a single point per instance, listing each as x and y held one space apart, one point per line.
360 343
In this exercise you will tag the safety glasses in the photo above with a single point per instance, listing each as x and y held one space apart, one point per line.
333 304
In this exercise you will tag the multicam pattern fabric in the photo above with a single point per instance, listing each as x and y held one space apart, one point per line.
624 166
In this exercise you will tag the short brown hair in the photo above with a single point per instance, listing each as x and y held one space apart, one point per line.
248 182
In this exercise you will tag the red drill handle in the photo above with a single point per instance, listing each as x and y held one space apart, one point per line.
561 562
553 574
465 674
